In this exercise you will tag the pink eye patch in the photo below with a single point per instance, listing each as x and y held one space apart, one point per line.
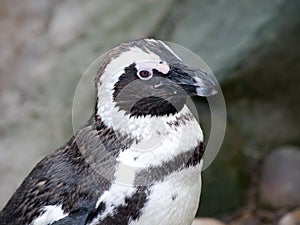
160 66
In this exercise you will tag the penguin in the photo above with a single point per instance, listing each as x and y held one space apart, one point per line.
137 160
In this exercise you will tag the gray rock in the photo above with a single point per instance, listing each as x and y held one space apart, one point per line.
280 181
262 102
222 32
291 218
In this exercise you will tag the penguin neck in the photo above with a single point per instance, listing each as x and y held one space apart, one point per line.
140 127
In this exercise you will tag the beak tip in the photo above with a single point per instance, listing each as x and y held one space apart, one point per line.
206 91
205 84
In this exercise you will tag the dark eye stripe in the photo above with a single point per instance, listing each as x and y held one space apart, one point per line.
126 78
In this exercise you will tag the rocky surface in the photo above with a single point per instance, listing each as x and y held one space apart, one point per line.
291 218
252 46
221 32
280 181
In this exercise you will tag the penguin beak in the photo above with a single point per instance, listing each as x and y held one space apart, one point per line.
194 82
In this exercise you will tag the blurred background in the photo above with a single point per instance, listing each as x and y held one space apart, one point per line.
251 45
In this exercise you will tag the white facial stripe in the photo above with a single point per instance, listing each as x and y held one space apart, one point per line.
152 40
135 54
111 75
160 66
107 109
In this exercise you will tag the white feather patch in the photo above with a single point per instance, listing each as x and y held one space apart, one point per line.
112 198
162 142
173 201
51 213
124 59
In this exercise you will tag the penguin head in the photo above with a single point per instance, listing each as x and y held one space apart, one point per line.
146 78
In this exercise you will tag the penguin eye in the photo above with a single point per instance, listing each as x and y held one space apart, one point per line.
145 74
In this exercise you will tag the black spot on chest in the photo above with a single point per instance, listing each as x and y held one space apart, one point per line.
174 197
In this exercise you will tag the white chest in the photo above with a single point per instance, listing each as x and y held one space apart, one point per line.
173 201
165 139
174 197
